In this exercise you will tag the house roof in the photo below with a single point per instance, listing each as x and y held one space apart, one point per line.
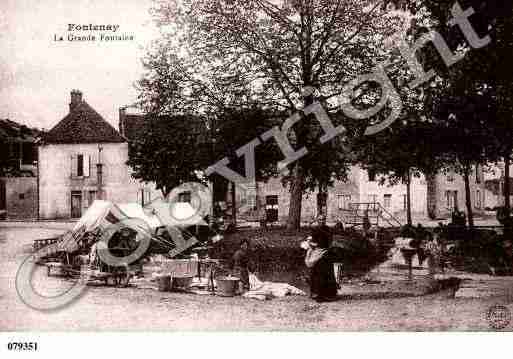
13 131
83 125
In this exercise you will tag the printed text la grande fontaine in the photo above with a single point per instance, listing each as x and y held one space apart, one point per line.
93 32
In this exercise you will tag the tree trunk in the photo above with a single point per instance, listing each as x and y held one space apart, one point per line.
322 197
234 205
296 196
432 194
507 190
468 197
408 199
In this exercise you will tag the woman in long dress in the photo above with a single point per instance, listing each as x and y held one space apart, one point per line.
323 285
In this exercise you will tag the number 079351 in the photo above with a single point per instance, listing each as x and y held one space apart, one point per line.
22 346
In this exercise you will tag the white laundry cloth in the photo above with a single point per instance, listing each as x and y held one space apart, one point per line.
266 290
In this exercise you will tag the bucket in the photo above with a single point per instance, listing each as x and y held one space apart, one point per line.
164 282
227 286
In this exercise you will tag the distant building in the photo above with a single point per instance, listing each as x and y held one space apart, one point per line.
435 197
446 192
18 169
81 159
495 192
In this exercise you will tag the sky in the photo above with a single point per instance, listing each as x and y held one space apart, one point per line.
38 73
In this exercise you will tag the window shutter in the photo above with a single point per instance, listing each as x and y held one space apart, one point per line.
74 166
87 165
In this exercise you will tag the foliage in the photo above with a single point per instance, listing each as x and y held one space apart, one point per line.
217 54
169 151
237 126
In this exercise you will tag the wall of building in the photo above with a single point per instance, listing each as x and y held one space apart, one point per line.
358 188
454 182
427 195
56 181
424 192
20 197
396 193
309 206
350 188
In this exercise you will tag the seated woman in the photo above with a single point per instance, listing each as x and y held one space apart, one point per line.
323 285
241 263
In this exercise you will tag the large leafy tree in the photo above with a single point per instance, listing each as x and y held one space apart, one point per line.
499 74
169 151
404 150
464 101
461 141
227 53
233 128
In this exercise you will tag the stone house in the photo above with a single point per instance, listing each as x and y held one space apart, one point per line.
81 159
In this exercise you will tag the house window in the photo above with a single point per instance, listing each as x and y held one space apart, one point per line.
373 198
271 200
372 175
81 165
271 208
478 199
449 199
387 200
91 197
478 174
184 197
21 196
28 153
344 201
452 199
405 202
450 177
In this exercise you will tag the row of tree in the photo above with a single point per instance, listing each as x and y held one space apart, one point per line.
225 71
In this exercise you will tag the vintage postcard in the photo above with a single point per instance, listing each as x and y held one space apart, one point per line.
255 165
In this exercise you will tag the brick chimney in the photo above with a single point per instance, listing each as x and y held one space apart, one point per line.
76 99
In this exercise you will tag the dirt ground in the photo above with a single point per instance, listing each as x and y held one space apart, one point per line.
120 309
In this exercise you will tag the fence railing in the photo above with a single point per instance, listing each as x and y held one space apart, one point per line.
356 212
